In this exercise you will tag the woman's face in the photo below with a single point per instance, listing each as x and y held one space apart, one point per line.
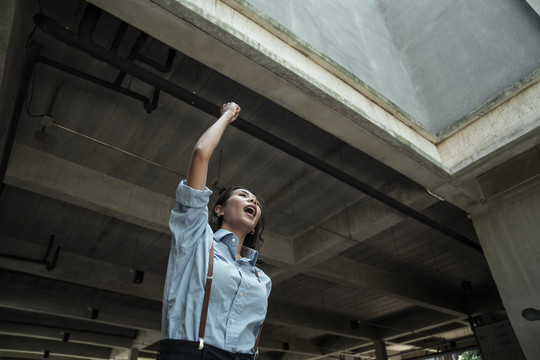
241 211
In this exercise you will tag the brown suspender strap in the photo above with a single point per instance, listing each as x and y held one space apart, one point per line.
206 301
207 288
255 349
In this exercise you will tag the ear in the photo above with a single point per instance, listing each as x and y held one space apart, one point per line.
218 210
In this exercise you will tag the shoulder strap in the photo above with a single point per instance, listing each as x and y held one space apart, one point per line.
256 347
206 301
207 288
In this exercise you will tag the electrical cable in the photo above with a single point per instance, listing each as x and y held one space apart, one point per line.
117 149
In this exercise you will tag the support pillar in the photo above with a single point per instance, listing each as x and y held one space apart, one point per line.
133 354
509 231
380 350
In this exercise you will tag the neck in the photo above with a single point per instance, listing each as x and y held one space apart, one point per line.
238 252
241 237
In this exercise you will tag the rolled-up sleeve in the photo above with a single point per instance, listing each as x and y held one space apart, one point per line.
189 216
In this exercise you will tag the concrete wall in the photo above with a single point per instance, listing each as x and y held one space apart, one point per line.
509 232
463 53
13 37
6 20
437 60
354 35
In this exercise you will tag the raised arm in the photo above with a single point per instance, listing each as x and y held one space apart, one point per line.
204 148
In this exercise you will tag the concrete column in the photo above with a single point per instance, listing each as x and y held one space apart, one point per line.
134 354
380 350
509 231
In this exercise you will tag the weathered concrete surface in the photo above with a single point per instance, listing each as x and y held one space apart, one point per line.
427 57
354 36
272 64
509 233
266 64
48 175
6 22
12 41
535 4
506 124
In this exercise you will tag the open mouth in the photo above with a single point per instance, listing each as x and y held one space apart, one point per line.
250 210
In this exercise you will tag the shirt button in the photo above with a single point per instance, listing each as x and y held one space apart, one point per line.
241 294
233 240
232 321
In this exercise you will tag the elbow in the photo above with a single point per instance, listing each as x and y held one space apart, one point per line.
200 153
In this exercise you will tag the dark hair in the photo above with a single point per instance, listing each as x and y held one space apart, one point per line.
255 240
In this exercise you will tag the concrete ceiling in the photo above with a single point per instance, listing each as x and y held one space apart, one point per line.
358 249
449 58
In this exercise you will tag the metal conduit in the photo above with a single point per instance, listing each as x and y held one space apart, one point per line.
85 44
148 106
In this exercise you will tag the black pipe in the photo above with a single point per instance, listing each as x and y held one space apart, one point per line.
167 67
141 39
49 26
149 106
49 264
29 61
118 36
88 23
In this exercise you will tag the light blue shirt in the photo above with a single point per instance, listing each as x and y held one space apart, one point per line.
238 300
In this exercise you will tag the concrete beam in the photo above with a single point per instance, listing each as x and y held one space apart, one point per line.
390 334
294 76
82 270
416 338
48 175
502 126
283 356
295 346
358 222
36 171
338 346
55 334
33 299
281 314
39 346
415 323
213 31
48 301
144 339
535 4
350 273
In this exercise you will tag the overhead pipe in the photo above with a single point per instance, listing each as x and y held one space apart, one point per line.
50 27
134 53
49 264
148 105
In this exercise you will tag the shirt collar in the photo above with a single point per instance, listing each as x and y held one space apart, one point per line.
227 237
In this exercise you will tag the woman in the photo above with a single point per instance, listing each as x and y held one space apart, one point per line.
229 325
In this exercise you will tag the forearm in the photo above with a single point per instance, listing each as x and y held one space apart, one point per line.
205 147
207 143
